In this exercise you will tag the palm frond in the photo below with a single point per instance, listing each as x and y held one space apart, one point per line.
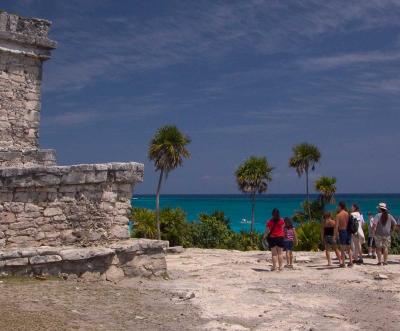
305 157
168 148
253 175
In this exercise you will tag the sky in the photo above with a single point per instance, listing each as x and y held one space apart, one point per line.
240 78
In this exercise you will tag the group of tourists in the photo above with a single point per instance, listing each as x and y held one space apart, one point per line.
342 234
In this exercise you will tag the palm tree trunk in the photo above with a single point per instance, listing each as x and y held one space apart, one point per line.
158 205
253 206
308 196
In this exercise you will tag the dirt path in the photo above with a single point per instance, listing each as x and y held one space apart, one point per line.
69 305
236 291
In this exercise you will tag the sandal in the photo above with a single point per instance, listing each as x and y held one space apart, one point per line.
342 265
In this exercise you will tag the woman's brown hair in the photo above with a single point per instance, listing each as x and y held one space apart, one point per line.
384 216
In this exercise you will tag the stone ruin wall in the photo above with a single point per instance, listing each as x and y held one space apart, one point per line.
41 203
78 205
20 105
23 47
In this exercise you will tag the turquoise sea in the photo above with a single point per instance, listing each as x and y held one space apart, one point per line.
238 208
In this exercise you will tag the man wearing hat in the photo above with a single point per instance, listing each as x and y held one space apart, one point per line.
384 224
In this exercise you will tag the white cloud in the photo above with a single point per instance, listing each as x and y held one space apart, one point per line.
348 59
119 46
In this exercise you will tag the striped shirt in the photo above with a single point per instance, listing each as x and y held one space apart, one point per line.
289 234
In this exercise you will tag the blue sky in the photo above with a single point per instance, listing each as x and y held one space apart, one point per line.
240 78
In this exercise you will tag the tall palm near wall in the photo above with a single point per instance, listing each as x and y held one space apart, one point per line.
305 157
167 150
252 177
326 186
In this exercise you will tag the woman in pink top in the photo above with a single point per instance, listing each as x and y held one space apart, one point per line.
275 235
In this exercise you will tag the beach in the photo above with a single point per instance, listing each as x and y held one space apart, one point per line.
215 290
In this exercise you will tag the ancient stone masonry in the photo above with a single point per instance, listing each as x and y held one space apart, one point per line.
82 204
24 46
123 259
42 204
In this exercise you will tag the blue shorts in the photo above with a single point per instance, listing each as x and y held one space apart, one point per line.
344 238
288 245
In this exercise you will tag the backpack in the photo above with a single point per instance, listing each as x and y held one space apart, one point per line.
352 226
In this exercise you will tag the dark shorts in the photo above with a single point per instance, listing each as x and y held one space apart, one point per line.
288 245
329 242
276 241
344 238
371 242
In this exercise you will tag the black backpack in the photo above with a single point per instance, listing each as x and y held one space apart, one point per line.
352 226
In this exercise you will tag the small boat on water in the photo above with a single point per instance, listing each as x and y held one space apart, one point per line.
245 221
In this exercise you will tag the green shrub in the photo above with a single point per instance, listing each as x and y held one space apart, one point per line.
309 237
245 241
210 232
144 223
395 247
219 215
174 227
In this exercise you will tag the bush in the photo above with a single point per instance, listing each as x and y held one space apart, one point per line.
244 241
219 215
395 248
210 231
144 223
309 237
174 227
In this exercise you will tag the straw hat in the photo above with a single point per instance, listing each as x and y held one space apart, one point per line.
382 206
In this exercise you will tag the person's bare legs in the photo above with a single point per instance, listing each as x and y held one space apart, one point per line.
291 258
379 253
328 256
287 258
274 257
350 257
385 254
342 256
337 252
280 257
370 248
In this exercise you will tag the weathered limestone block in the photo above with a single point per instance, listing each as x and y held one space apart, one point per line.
45 259
84 253
17 262
124 259
27 158
114 274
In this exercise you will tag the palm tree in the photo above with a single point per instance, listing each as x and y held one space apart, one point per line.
327 188
252 177
167 150
304 158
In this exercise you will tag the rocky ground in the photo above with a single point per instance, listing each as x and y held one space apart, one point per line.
55 305
237 291
214 290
